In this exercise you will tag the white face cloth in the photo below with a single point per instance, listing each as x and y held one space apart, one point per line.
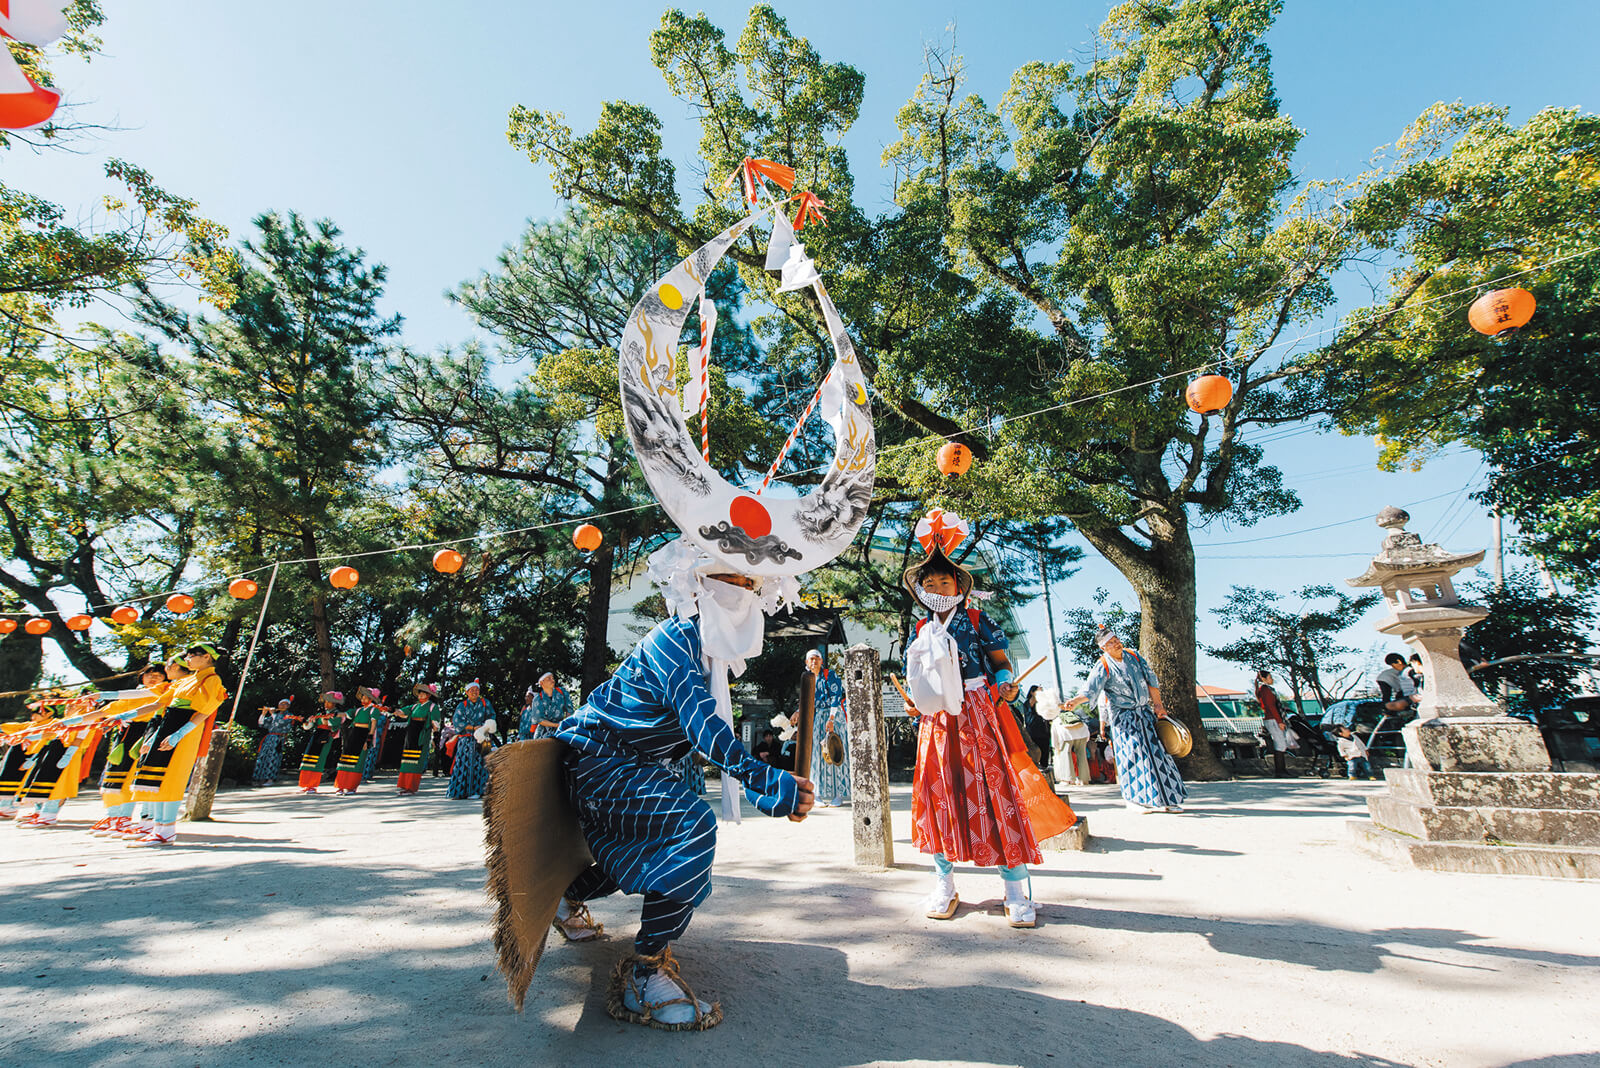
732 624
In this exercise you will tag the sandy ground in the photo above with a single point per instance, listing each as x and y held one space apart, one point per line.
342 931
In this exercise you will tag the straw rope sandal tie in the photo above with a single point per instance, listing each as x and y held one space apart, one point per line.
662 1000
577 925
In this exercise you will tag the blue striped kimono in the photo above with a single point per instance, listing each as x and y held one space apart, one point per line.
1146 775
833 780
648 832
469 775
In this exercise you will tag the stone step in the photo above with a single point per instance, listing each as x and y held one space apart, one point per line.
1523 826
1551 862
1498 789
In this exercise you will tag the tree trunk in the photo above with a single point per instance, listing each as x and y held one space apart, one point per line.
230 638
21 660
78 653
1163 576
596 654
319 609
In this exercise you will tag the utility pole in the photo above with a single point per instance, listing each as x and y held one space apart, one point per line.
1050 617
1499 553
1499 587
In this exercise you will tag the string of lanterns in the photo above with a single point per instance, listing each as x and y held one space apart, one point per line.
1491 314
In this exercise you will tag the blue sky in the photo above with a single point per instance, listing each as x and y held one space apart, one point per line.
389 118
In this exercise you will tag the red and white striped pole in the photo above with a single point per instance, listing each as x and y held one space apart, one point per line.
793 434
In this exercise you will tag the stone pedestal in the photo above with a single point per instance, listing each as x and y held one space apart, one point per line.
869 758
1505 823
1476 743
1074 839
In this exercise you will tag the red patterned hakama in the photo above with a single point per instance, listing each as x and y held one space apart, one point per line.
965 802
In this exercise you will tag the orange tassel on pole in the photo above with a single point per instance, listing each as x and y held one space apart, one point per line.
810 208
755 171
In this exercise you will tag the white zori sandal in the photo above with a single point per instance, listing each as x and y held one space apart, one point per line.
1020 909
943 901
575 923
662 1000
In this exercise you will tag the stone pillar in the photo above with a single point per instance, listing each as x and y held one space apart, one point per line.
869 758
203 783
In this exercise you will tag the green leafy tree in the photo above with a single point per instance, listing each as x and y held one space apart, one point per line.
1080 625
1525 620
1300 644
1484 204
284 376
141 233
1079 251
95 501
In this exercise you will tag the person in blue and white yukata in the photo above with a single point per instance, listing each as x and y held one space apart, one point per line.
648 832
472 722
1146 773
833 780
548 704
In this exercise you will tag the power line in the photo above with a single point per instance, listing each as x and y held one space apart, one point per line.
922 443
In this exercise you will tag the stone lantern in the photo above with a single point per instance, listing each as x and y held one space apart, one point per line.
1457 728
1478 793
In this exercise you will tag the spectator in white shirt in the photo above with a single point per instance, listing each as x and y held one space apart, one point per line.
1354 752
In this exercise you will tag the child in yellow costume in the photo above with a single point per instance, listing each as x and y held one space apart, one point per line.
116 781
22 742
184 733
60 765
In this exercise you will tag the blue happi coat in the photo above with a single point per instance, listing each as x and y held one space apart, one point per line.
555 708
645 828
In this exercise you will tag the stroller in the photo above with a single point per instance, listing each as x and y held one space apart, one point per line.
1322 750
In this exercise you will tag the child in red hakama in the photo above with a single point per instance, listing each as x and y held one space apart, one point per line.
966 803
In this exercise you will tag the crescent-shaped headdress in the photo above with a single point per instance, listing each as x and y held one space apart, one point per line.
741 529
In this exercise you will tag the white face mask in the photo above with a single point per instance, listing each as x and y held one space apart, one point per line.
732 624
939 602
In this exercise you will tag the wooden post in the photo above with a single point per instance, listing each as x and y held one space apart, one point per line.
869 758
802 735
207 775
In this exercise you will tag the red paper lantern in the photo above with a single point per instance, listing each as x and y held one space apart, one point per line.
1501 309
448 561
79 622
587 537
954 459
37 626
242 589
344 577
179 603
7 626
125 614
1209 394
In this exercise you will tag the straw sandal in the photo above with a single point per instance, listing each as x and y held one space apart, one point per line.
578 925
679 1010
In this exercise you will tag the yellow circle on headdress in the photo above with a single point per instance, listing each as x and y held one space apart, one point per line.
670 296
